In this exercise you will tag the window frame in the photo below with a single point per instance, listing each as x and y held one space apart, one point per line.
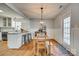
66 29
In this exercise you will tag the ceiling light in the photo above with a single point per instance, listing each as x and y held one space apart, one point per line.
1 10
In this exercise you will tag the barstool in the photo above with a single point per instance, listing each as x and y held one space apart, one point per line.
41 48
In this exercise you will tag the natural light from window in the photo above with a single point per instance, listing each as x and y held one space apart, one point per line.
16 25
67 30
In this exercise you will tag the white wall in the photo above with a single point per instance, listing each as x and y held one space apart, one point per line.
35 24
73 11
58 26
75 29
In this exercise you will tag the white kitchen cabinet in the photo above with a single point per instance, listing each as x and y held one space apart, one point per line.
7 22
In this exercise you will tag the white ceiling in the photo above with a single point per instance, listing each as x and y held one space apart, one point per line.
32 10
8 12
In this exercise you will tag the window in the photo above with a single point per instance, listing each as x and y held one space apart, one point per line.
16 25
13 23
67 30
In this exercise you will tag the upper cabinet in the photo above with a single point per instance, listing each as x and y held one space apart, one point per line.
4 21
7 22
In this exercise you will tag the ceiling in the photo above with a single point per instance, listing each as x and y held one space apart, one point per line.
6 11
33 11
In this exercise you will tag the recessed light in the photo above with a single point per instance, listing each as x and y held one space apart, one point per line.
1 10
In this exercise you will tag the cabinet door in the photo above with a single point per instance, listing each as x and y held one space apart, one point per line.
4 21
9 21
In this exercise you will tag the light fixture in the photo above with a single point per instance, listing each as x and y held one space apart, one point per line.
41 21
1 10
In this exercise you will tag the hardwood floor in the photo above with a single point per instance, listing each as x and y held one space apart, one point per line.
27 50
59 50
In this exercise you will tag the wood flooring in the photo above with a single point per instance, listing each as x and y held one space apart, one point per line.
27 50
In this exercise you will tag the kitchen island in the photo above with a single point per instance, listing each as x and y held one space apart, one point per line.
15 39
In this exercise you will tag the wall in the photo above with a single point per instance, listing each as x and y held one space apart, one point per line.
58 26
35 24
75 29
73 11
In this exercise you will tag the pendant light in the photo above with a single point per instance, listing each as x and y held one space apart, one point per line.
41 21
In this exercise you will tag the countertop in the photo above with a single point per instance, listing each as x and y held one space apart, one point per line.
21 33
